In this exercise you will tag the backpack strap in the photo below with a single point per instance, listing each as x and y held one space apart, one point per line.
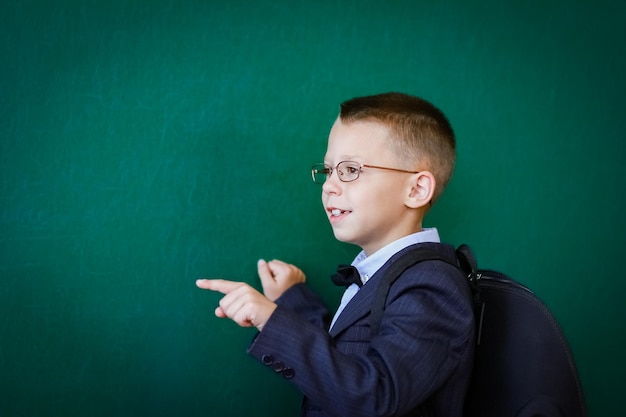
467 262
391 275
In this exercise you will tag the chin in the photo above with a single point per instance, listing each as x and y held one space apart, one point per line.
342 237
346 239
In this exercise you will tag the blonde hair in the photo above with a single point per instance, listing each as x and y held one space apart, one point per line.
422 137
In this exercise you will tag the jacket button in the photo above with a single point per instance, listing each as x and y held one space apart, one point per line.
267 360
289 373
278 366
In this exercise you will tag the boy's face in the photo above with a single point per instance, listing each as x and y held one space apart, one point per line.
369 212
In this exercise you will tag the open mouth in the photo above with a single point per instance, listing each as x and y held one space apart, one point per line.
335 212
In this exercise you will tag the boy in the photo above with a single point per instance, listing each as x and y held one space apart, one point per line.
389 157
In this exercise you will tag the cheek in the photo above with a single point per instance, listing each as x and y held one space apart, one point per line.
378 193
383 200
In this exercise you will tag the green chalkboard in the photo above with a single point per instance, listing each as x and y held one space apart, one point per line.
144 144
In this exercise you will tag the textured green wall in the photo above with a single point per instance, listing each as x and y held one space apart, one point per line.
146 143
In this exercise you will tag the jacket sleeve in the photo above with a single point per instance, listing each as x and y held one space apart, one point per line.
301 300
425 332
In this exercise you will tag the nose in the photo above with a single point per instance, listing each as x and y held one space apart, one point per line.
332 185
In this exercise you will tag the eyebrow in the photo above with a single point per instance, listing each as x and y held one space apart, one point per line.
352 158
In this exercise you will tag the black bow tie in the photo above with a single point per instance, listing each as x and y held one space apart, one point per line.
347 275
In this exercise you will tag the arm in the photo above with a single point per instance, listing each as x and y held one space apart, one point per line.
424 338
305 303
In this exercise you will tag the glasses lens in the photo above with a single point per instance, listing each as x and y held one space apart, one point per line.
348 171
319 173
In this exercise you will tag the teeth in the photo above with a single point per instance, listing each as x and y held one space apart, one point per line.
336 212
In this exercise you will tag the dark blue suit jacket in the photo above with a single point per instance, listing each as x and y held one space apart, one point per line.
420 360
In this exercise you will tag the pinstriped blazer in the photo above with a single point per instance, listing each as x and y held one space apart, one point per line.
420 362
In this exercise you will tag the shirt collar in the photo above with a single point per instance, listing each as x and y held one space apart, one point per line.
368 265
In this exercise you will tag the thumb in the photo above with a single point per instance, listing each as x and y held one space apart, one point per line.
265 273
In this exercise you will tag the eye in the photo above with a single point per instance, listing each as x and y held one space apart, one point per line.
348 170
352 169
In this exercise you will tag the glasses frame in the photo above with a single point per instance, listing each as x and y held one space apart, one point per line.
315 169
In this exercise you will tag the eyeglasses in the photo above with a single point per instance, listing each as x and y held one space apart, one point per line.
347 171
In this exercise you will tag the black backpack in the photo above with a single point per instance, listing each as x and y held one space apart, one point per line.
523 366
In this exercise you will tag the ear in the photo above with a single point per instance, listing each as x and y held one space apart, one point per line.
422 187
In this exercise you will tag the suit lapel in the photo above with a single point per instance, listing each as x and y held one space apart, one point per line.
361 303
359 306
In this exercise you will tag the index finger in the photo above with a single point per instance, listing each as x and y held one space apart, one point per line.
220 285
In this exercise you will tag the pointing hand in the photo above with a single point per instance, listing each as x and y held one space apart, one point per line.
241 303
